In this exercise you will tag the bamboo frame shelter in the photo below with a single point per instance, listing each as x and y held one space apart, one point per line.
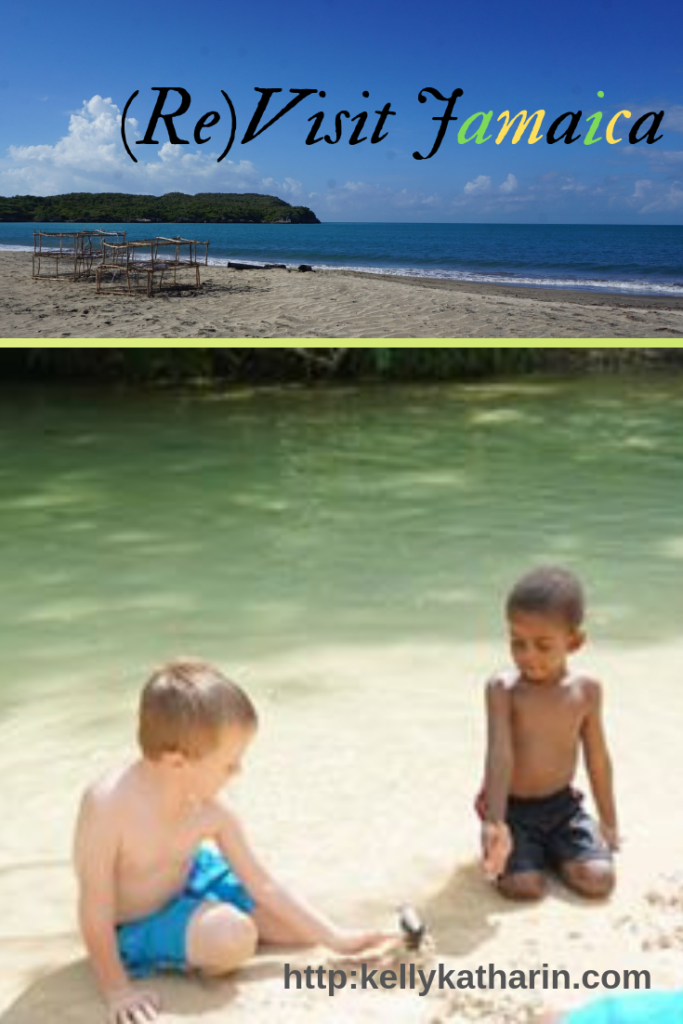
79 248
151 258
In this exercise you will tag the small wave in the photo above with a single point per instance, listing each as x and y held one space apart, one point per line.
471 277
16 248
578 284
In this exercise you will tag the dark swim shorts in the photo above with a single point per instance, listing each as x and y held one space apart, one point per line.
548 831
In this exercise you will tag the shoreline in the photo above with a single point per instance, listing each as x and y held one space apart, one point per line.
279 303
398 274
536 292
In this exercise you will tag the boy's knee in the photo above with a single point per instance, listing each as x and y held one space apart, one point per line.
220 939
246 940
524 885
594 879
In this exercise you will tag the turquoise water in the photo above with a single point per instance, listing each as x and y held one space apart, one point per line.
138 526
628 259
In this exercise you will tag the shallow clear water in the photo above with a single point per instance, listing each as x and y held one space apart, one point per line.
240 525
630 259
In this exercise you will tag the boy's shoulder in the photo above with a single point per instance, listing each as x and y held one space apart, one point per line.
501 685
499 693
105 791
505 682
583 684
101 814
504 679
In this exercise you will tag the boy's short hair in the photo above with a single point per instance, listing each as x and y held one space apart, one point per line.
185 705
548 591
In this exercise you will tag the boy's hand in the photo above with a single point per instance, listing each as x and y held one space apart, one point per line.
133 1006
357 940
610 833
496 843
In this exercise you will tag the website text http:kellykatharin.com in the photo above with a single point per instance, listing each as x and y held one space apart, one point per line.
423 980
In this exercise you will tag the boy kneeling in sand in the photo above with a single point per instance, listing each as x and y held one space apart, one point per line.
152 897
538 717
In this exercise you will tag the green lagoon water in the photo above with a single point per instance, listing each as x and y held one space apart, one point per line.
241 525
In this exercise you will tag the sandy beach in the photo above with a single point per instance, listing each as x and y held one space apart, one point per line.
359 795
323 304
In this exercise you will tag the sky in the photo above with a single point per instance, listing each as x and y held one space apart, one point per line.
67 71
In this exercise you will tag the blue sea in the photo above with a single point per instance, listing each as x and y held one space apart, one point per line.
640 260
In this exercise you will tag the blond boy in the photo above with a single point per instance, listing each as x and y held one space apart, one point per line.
152 896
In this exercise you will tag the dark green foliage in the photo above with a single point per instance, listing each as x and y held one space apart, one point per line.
443 363
174 207
258 365
219 366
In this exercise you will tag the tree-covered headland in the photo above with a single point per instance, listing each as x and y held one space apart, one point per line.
174 207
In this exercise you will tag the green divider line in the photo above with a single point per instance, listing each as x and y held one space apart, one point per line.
166 343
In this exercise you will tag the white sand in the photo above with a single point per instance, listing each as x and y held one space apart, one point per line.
358 792
323 304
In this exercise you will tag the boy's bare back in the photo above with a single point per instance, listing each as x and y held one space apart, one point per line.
131 849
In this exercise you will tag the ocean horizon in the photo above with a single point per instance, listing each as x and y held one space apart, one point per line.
623 259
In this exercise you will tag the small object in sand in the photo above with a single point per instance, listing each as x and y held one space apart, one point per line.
413 927
304 266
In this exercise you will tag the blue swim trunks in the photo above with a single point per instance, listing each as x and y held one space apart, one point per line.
640 1008
157 942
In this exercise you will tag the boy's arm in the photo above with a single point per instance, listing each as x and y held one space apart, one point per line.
495 834
599 764
499 757
308 925
95 849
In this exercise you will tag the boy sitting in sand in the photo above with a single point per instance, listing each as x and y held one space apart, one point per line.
538 717
152 897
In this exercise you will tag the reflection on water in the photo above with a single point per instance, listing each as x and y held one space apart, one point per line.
236 525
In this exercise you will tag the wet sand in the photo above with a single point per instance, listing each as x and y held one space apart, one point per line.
357 792
323 304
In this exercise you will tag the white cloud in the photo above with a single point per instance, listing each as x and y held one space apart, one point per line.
671 199
372 200
480 184
572 185
90 158
290 186
671 122
482 196
659 161
673 119
640 188
90 144
509 185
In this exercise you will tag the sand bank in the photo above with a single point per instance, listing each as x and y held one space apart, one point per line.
323 304
358 791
